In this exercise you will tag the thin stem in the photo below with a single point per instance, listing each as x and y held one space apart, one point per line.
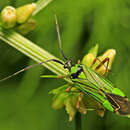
78 124
40 5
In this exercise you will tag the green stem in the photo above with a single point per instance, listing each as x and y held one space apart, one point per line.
40 5
78 124
32 50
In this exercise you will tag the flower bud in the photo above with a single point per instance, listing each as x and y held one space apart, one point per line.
27 27
70 104
8 17
24 12
58 103
101 64
94 50
89 58
106 67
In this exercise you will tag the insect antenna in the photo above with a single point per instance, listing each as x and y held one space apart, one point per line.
29 67
59 38
34 65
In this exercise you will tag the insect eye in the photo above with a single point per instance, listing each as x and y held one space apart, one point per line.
65 66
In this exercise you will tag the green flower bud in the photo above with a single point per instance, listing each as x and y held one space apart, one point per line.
27 27
94 50
24 12
70 104
8 17
58 101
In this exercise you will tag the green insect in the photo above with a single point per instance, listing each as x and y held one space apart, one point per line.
90 83
94 85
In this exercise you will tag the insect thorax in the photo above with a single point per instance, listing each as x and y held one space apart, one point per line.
76 70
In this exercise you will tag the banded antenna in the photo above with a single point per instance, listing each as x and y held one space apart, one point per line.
59 38
29 67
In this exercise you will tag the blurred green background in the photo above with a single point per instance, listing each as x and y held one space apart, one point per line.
24 100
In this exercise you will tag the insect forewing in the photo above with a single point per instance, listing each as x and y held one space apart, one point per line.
97 80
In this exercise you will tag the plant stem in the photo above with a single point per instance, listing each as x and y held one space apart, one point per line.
32 50
78 125
40 5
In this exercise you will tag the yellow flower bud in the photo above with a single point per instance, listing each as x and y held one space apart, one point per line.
101 64
110 54
24 12
8 17
88 59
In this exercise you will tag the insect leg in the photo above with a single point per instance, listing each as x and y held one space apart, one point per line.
55 76
79 100
107 59
103 62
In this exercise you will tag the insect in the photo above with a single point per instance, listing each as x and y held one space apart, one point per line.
90 83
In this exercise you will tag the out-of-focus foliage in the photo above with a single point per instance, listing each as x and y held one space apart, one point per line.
24 100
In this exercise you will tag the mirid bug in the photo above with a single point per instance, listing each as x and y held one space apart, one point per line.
90 83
